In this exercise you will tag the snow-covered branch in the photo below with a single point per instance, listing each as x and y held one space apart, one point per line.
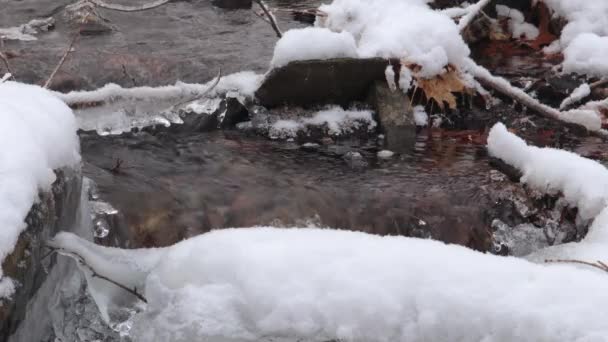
471 13
588 119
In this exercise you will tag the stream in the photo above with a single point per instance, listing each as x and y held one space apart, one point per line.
153 188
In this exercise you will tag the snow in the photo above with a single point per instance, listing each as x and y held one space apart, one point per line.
266 284
337 120
389 74
312 43
245 83
587 55
582 182
37 135
385 154
421 118
578 94
583 39
517 23
393 29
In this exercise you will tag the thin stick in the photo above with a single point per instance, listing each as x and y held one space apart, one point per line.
80 260
599 265
123 8
4 58
472 12
61 61
201 95
273 20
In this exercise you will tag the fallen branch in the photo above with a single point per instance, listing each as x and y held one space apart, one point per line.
94 274
48 82
472 12
598 264
271 18
122 8
586 119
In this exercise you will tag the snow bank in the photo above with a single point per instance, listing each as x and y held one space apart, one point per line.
337 120
312 43
582 182
394 28
37 135
582 39
262 284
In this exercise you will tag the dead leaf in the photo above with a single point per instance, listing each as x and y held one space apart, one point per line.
441 88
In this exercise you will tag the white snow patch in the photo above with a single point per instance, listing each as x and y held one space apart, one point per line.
421 118
259 284
385 154
578 94
337 120
406 29
37 135
582 182
27 32
389 74
405 79
587 55
517 23
312 43
583 39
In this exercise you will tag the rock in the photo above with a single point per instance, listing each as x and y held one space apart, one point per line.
56 210
317 82
235 112
395 116
232 4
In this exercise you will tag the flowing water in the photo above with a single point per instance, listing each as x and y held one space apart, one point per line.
156 188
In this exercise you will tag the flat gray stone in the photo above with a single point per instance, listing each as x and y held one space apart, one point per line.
317 82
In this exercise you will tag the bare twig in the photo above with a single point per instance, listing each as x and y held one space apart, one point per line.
94 274
271 17
600 83
201 95
123 8
4 58
472 12
598 264
49 81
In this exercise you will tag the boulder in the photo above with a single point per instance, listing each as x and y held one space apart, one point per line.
395 116
318 82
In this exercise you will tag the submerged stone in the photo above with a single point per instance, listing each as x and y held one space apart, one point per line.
318 82
232 4
395 116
